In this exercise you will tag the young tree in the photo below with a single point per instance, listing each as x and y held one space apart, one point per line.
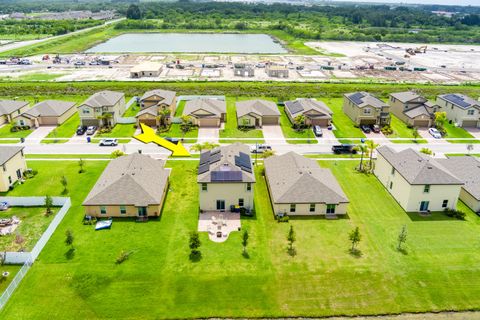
291 239
64 182
163 116
415 134
363 149
186 124
245 240
194 244
355 238
299 122
48 204
117 153
69 238
402 237
81 165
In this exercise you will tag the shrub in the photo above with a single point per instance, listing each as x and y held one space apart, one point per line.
13 129
387 130
123 256
457 214
284 218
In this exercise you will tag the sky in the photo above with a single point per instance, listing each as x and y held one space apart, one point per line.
446 2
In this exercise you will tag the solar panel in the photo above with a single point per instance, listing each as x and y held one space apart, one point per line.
204 157
215 157
357 97
294 106
203 168
220 176
243 161
458 100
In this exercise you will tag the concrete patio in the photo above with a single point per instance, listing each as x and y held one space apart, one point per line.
218 224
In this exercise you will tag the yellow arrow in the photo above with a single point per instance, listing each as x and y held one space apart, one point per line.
148 135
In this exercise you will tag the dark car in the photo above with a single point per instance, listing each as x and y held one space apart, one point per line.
344 149
365 128
317 130
81 130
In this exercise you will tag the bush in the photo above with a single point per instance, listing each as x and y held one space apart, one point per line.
284 218
13 129
387 130
122 257
105 130
457 214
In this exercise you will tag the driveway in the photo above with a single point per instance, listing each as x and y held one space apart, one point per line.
208 135
474 132
328 137
39 134
377 137
423 132
273 134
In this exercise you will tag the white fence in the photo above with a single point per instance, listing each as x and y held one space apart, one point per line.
14 284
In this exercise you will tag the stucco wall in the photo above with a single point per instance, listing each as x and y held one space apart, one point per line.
456 114
11 167
303 209
469 200
230 192
114 211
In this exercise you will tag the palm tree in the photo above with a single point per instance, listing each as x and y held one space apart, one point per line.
362 149
163 114
299 121
371 146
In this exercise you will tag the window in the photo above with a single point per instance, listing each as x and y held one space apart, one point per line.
85 111
471 112
393 171
103 210
241 202
444 203
204 187
293 208
367 111
123 210
391 185
312 207
331 208
249 186
426 189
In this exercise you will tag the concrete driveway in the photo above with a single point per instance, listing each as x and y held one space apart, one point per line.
38 134
423 132
208 135
328 137
273 134
474 132
377 137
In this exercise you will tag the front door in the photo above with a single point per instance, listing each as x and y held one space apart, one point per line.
142 211
424 205
221 205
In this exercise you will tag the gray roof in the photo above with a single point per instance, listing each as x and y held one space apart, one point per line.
300 106
214 106
418 111
260 107
226 159
166 96
49 108
8 152
104 98
363 99
296 179
406 96
134 179
418 168
10 106
152 110
460 100
467 169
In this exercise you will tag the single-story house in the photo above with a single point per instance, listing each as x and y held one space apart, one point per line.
94 110
276 71
47 113
417 181
206 112
298 186
146 69
413 109
256 113
364 108
130 186
9 109
153 102
315 112
12 166
461 109
226 178
467 169
243 70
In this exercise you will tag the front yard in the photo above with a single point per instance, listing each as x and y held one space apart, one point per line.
458 133
400 130
294 136
231 126
344 126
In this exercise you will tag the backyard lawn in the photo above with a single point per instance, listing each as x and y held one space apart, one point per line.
458 132
293 136
231 126
438 271
344 126
400 130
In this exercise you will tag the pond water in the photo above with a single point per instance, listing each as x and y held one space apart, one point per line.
190 42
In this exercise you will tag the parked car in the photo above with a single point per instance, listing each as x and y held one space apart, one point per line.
172 140
91 130
108 142
435 133
317 130
260 148
81 130
344 149
79 63
365 128
376 128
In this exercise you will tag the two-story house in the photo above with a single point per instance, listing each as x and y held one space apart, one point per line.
364 108
461 109
413 109
152 103
103 108
12 166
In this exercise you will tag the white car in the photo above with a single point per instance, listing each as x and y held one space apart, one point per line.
260 148
91 130
435 133
109 142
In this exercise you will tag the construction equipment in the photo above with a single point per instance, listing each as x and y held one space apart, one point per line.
421 49
410 51
57 59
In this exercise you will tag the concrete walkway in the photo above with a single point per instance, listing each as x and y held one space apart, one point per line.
273 134
474 132
208 135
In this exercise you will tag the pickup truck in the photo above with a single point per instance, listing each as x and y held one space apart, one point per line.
344 149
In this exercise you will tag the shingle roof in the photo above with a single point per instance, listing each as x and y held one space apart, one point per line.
8 152
418 111
225 159
460 100
135 179
296 179
49 108
300 106
418 168
152 110
214 106
260 107
10 106
363 99
104 98
467 169
166 95
405 96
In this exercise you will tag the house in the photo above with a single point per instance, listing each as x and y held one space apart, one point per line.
9 109
146 69
418 182
413 109
461 109
12 166
47 113
130 186
364 108
103 108
256 113
206 112
243 70
152 103
315 112
298 186
467 169
225 178
276 71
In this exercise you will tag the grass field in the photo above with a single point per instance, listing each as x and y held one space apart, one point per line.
457 133
6 133
303 136
400 130
344 126
231 125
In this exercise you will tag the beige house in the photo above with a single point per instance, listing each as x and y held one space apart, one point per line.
130 186
413 109
98 105
10 109
418 182
225 178
153 102
461 109
12 166
316 112
364 108
256 113
47 113
146 69
467 169
206 112
298 186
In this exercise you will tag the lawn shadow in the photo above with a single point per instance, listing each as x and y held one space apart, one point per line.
246 255
195 256
356 253
403 251
70 254
432 216
292 251
319 217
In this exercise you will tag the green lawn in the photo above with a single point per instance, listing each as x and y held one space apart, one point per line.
458 132
344 126
175 130
6 133
12 269
231 126
67 156
65 130
303 136
119 131
400 130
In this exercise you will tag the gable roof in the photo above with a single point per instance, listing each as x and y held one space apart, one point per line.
406 96
258 106
8 152
467 169
152 110
418 168
300 106
293 178
134 179
214 106
230 163
10 106
104 98
460 100
418 111
49 108
166 96
363 99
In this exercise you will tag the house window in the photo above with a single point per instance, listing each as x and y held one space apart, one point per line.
241 202
103 210
4 168
331 208
367 111
471 112
204 187
293 208
444 203
10 180
85 111
426 188
249 186
123 210
393 171
391 185
312 207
